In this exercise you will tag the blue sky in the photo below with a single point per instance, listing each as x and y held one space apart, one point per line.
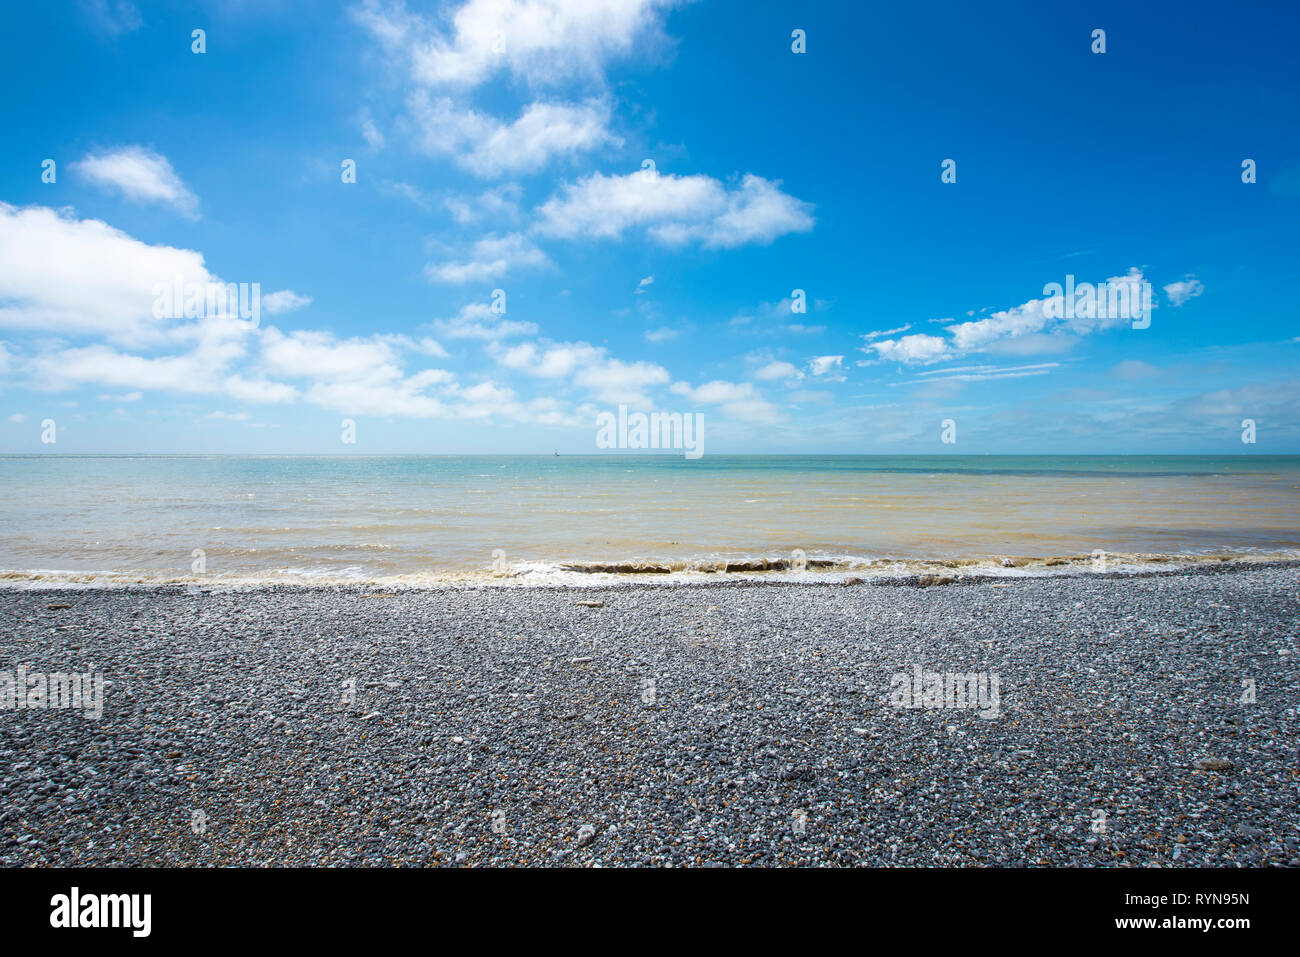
502 145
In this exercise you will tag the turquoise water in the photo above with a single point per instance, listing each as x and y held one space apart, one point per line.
417 519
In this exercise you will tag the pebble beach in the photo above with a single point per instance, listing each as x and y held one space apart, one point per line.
1142 720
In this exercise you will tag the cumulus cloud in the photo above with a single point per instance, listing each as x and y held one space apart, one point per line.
586 367
613 380
499 203
140 175
736 400
917 349
91 279
65 275
1036 326
489 258
60 276
359 375
197 372
286 300
548 362
536 41
312 354
477 321
541 43
777 370
825 365
489 147
1183 290
674 209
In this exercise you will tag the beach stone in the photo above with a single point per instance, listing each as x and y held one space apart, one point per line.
780 700
1214 764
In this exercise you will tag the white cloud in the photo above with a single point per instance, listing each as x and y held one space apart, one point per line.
140 175
778 370
887 332
537 41
662 334
674 209
286 300
427 347
1006 324
499 203
914 349
1134 369
1183 290
17 417
603 205
197 372
613 380
361 376
1027 329
488 147
490 258
979 373
644 284
586 366
552 362
407 191
374 138
356 397
63 275
824 365
757 212
737 400
310 354
477 321
258 390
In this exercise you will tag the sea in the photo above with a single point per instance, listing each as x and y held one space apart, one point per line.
432 521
